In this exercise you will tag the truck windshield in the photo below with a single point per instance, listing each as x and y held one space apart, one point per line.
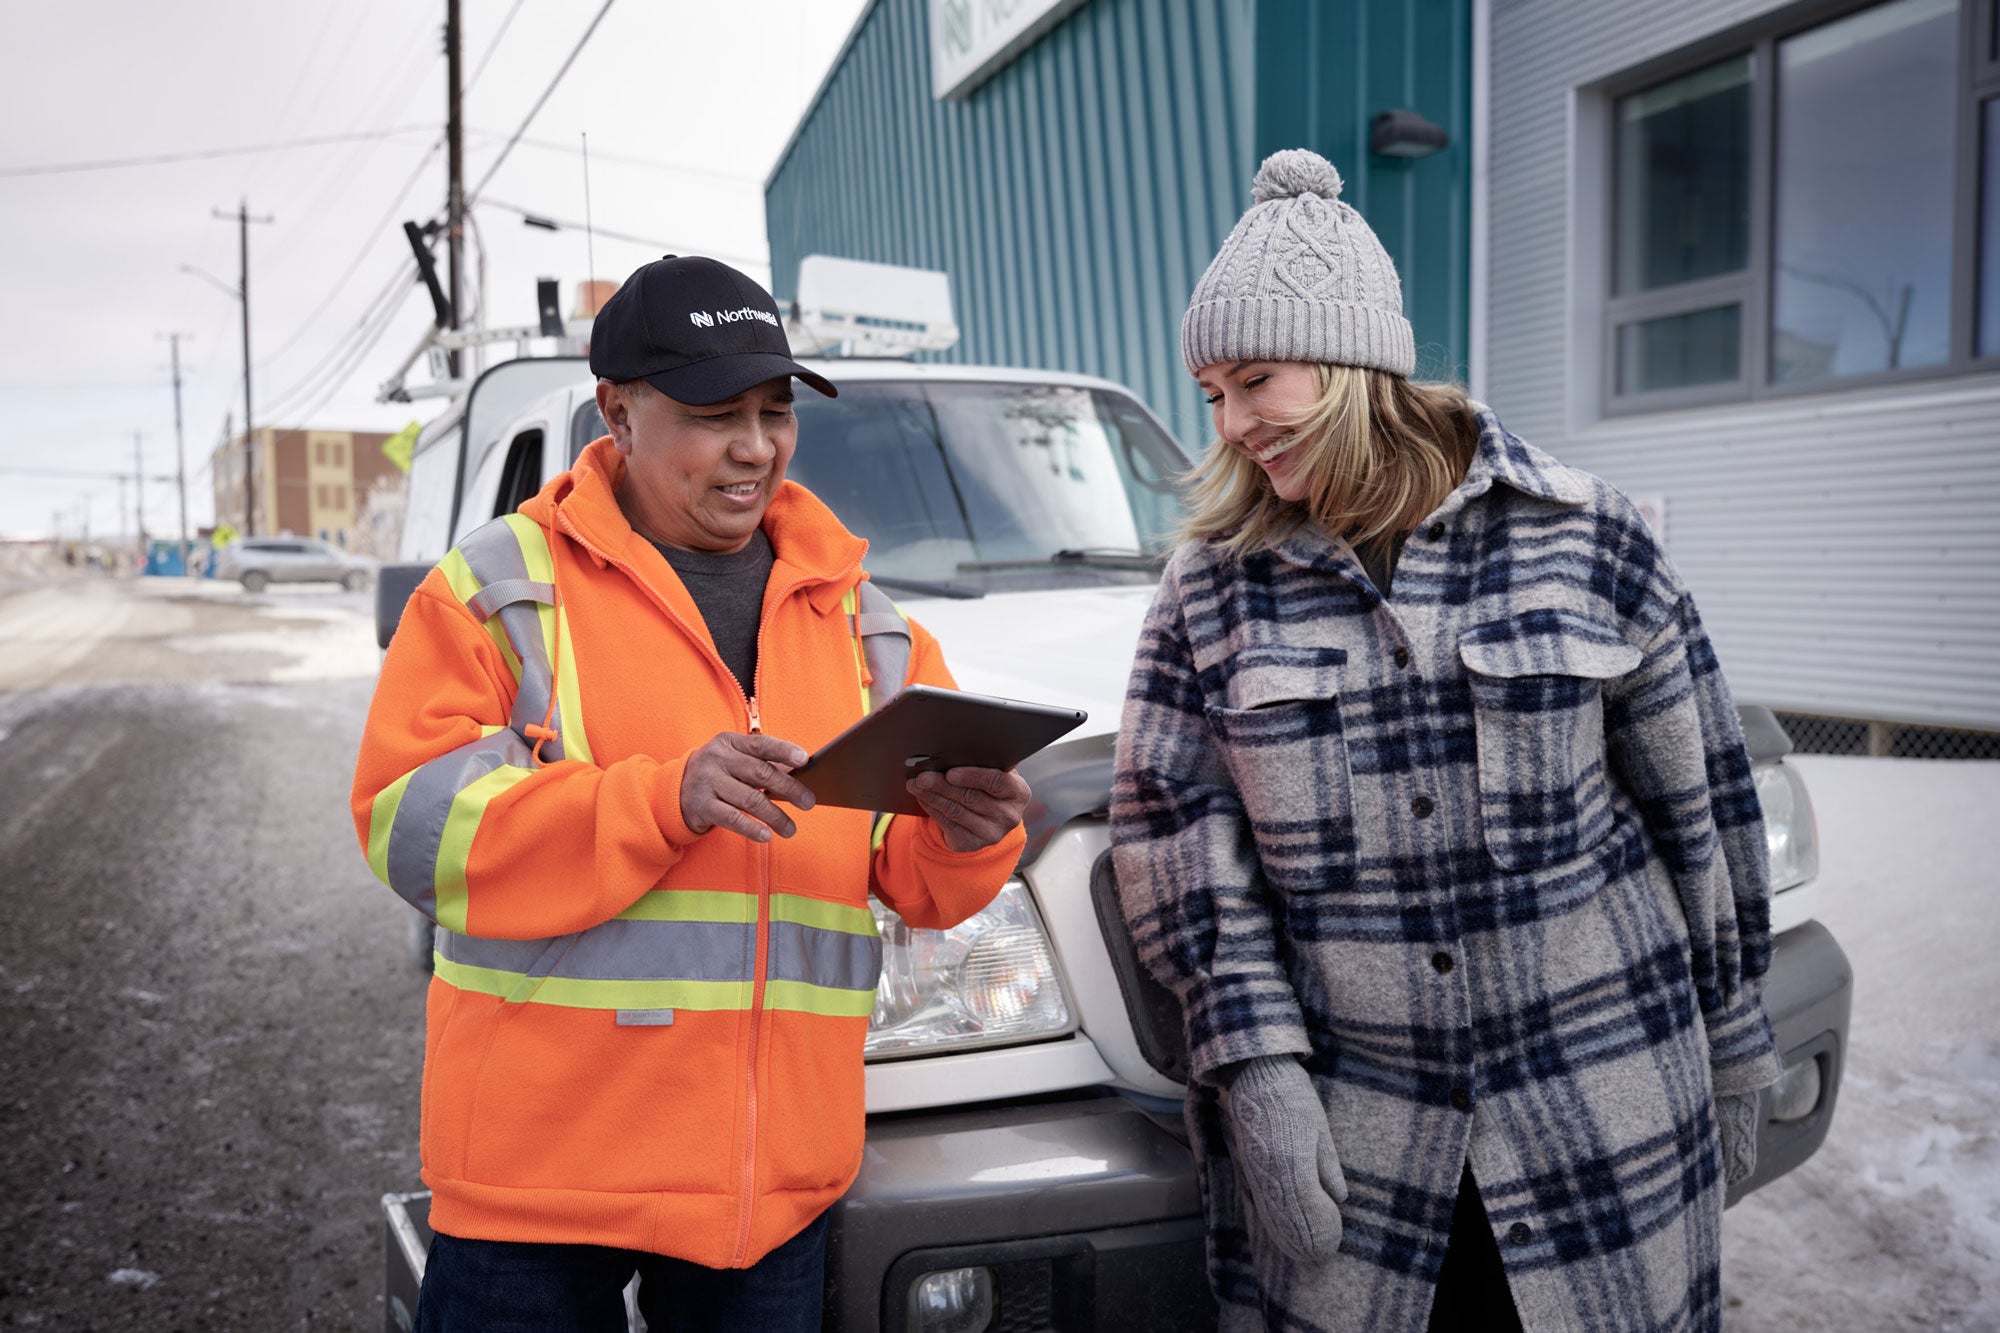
948 479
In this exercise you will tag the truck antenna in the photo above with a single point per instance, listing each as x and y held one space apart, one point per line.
589 232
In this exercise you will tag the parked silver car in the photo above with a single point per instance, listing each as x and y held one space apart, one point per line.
257 562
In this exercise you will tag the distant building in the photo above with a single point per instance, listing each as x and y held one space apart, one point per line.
309 482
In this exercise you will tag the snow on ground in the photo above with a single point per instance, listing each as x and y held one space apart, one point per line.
1895 1222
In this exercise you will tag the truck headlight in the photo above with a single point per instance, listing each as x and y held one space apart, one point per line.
986 981
1790 831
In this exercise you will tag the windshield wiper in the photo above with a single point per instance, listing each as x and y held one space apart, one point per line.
897 583
1095 557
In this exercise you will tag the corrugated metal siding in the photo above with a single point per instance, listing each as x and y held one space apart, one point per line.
1844 548
1324 69
1074 198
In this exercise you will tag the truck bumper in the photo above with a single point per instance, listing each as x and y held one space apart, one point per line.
1074 1213
1807 995
1071 1213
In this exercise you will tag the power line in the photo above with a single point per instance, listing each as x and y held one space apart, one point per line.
535 110
205 154
493 45
313 379
549 221
626 159
374 237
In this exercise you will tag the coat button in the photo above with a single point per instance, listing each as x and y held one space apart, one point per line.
1441 961
1461 1100
1436 531
1520 1233
1402 657
1422 807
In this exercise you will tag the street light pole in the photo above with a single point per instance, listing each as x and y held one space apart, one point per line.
180 449
454 230
139 494
243 221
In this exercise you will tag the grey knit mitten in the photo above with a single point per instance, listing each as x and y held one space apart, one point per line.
1736 1115
1282 1145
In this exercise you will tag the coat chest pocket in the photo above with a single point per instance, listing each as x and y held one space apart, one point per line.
1538 708
1278 726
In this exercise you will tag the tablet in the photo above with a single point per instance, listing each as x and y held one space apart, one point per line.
925 729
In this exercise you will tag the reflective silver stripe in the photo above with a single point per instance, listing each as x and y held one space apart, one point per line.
493 553
645 1018
621 950
492 596
628 950
832 958
418 830
885 643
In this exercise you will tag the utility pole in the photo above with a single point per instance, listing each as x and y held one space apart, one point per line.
243 221
121 500
139 493
180 448
454 133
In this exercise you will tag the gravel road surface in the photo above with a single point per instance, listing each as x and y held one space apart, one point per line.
212 1035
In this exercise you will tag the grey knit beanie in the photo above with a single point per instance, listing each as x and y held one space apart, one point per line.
1301 278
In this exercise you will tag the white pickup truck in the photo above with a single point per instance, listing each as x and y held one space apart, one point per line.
1025 1164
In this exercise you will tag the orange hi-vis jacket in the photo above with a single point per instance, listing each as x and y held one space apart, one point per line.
637 1036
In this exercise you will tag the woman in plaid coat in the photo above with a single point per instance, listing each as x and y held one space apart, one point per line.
1433 809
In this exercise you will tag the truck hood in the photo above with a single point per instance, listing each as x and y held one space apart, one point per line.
1068 647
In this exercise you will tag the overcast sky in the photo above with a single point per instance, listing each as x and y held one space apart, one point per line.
686 106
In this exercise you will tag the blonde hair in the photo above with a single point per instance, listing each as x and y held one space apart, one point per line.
1382 452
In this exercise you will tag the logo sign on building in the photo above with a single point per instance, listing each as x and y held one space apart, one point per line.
973 39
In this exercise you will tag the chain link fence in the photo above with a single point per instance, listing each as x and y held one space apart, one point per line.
1813 733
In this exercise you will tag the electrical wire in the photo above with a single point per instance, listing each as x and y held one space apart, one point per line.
535 110
339 354
625 159
205 154
493 45
373 237
662 246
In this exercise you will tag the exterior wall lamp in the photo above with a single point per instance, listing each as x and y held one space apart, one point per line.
1405 134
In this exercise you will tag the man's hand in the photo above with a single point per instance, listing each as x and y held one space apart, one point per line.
972 807
732 782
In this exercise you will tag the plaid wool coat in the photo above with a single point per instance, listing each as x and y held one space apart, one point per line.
1488 857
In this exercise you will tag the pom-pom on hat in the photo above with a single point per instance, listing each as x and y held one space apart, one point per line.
1301 278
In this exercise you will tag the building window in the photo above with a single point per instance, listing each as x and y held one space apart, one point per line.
1862 193
319 452
339 453
1783 216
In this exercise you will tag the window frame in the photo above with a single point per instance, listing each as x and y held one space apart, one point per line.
1752 287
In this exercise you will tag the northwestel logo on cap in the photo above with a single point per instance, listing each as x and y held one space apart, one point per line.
696 330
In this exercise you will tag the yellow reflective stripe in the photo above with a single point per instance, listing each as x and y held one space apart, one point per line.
569 695
455 846
534 545
736 909
382 818
576 993
490 729
822 914
805 998
880 833
850 602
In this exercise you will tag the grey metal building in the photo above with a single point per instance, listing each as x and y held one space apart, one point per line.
1745 262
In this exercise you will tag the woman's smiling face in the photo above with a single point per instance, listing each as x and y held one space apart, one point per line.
1249 401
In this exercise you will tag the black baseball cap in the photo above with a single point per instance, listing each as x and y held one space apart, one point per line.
696 330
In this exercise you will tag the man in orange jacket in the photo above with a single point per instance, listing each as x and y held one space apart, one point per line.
652 980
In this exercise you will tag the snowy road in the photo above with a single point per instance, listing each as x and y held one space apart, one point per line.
212 1039
1895 1223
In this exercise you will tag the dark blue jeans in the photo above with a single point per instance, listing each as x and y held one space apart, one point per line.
498 1286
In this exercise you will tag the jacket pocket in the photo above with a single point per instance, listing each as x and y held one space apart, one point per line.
1279 731
1538 708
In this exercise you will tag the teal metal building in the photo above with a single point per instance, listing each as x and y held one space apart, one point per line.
1074 169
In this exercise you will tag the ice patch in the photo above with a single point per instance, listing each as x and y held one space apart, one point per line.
134 1277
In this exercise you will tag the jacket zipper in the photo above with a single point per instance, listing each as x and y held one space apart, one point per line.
755 718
